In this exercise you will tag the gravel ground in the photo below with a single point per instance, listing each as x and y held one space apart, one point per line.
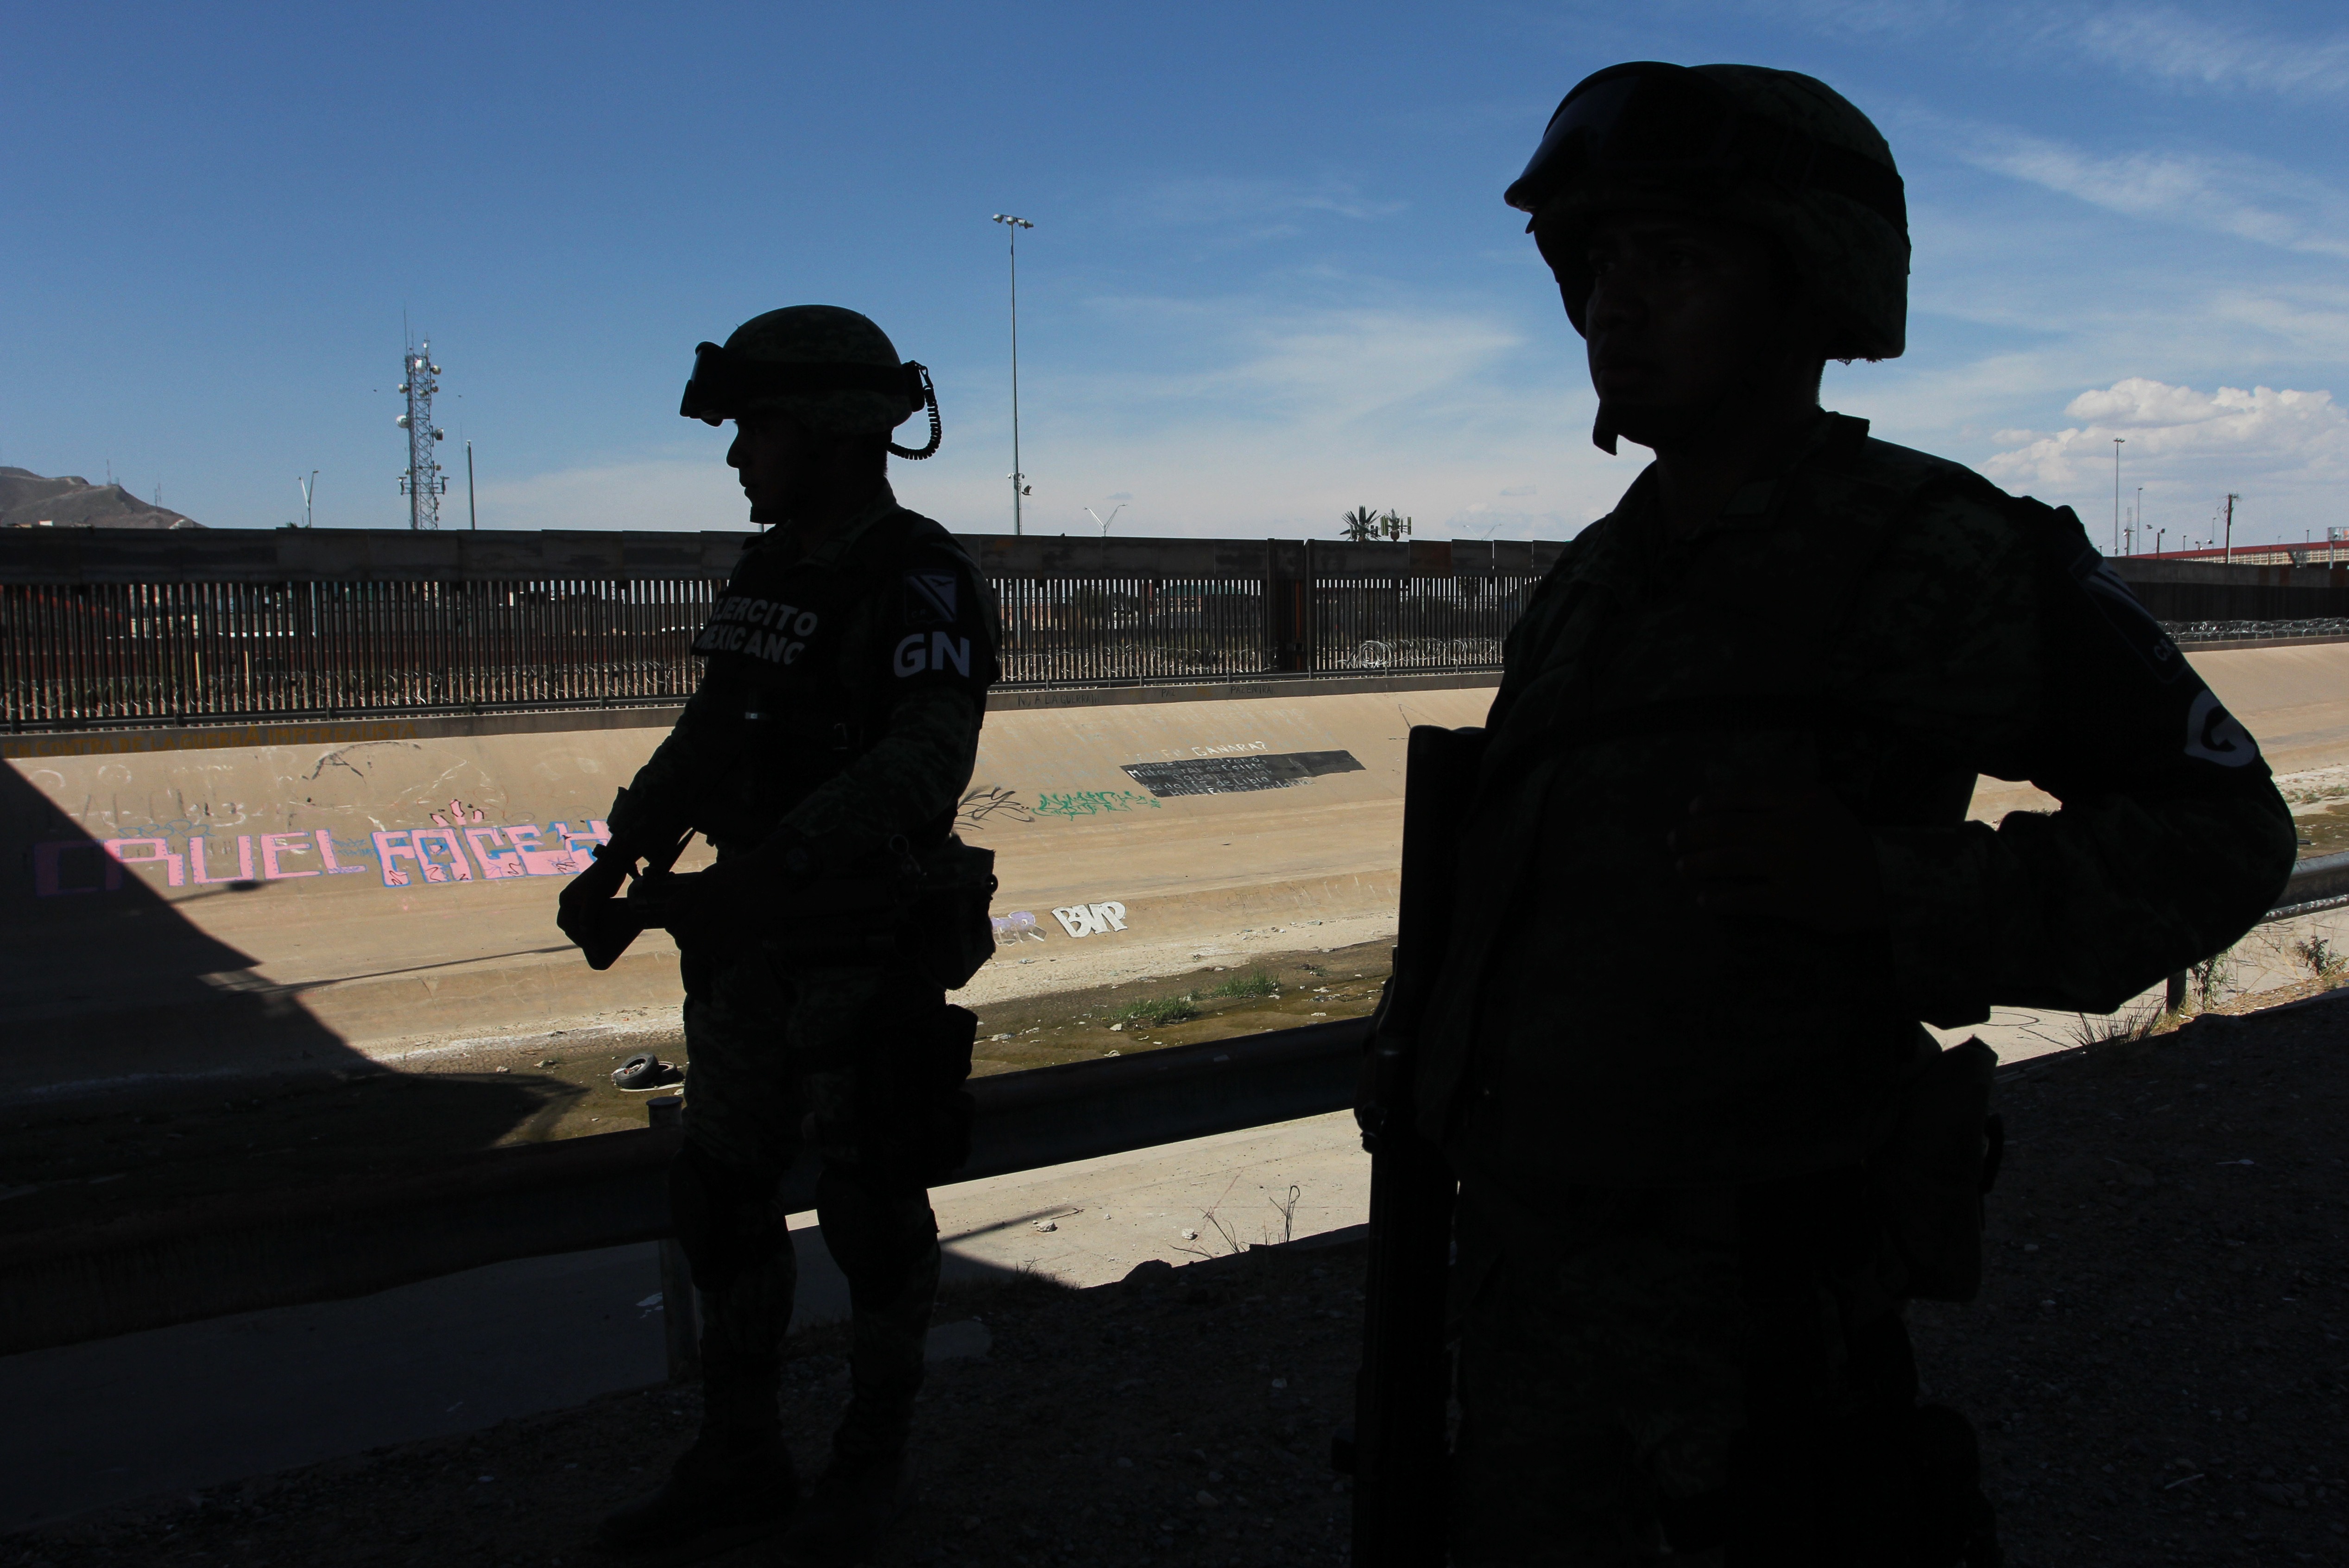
2158 1360
2156 1365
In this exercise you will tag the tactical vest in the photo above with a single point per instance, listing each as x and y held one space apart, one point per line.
1669 1049
798 664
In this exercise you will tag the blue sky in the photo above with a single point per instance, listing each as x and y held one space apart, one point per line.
1271 276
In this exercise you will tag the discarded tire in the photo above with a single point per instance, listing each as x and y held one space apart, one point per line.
643 1071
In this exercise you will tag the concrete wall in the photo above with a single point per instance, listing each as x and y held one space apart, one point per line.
328 917
189 901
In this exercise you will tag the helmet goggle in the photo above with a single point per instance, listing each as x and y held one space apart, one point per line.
1648 120
724 385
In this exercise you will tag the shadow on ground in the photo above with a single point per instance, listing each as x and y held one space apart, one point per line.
199 1086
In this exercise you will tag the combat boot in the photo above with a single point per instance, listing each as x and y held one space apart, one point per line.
718 1495
848 1511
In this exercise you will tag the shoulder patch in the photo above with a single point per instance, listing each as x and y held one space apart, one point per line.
933 597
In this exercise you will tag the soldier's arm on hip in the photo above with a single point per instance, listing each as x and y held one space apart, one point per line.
2172 840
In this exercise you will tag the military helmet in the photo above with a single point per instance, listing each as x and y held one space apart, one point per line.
830 368
1774 150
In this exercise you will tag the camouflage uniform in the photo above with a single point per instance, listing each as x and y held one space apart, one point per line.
1613 1072
1677 1284
832 726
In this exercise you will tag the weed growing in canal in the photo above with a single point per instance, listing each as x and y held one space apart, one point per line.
1160 1009
2318 954
2212 979
1253 983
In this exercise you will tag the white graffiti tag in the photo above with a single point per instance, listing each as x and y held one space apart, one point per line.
1090 920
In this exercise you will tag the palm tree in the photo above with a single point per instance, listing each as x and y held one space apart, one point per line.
1361 525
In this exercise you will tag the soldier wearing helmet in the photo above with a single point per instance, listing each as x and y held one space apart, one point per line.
846 665
1717 869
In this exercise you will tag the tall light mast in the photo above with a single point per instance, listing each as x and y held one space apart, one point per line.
422 483
1019 480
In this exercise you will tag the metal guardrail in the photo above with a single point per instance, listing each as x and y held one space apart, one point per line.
2322 883
107 627
244 1255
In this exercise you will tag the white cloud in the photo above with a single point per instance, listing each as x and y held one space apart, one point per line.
2247 198
2183 47
1280 419
1286 416
1259 207
2276 440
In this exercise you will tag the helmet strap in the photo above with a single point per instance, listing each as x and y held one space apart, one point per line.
930 402
1602 429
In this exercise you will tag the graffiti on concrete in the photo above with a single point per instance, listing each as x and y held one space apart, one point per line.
983 802
1090 920
457 816
1093 802
1237 775
442 855
1013 929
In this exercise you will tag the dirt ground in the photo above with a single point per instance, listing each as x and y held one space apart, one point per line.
96 1161
2156 1365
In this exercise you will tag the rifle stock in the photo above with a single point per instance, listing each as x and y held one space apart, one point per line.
1399 1452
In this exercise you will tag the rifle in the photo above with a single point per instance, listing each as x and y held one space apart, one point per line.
872 916
1398 1451
604 931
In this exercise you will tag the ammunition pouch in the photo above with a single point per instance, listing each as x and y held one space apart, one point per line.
1932 1174
946 933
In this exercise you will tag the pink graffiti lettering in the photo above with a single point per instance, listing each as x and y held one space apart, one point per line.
157 852
274 845
458 868
202 874
327 856
390 848
437 855
496 864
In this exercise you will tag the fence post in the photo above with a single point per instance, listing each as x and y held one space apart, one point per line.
680 1314
1309 612
1286 621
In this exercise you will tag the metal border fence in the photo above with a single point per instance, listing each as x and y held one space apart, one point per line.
103 627
127 626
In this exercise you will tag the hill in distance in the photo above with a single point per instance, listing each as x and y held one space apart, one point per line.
30 501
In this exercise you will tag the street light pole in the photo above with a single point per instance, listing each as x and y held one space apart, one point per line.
2117 492
1019 480
2227 553
473 518
309 490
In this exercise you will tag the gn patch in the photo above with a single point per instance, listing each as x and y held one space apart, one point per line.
920 651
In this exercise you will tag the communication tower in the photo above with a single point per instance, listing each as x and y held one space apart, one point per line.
422 483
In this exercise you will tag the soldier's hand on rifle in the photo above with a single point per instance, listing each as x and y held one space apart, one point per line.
1798 856
581 896
689 903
